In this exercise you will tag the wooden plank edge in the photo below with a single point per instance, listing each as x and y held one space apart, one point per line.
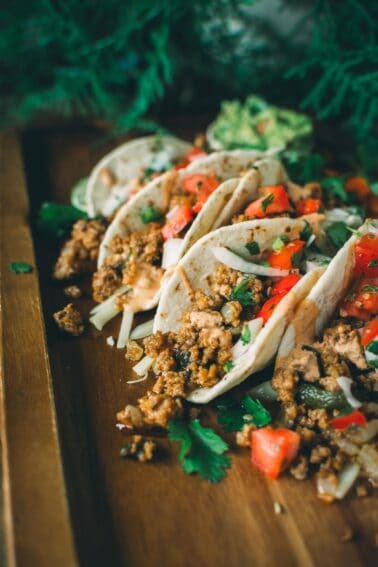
36 516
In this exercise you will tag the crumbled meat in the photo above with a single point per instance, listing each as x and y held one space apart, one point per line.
299 469
231 313
69 320
158 409
205 319
139 448
345 340
131 417
80 253
105 282
134 352
319 454
243 437
72 291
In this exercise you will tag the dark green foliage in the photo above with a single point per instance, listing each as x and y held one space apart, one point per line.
57 219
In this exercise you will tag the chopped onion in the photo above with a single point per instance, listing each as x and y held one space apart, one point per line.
142 331
124 332
120 291
310 240
239 349
235 262
346 215
171 252
106 311
110 341
143 366
346 479
172 212
346 384
138 380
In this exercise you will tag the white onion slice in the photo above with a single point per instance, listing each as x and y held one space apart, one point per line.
103 315
110 341
171 252
346 384
235 262
143 330
120 290
124 332
138 380
239 349
310 240
143 365
346 479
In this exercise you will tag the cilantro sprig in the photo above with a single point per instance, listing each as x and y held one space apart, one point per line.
57 219
202 451
338 233
234 415
245 336
253 248
20 267
373 264
150 214
242 294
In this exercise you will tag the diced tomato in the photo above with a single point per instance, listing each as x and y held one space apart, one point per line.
288 257
362 302
273 449
359 186
202 185
369 332
269 306
366 255
180 219
274 200
285 284
308 206
355 417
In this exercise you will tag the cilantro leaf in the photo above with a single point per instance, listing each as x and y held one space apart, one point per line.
306 231
303 168
374 188
20 267
260 415
335 187
245 336
150 214
242 294
338 233
266 202
234 415
370 288
373 347
373 264
57 219
202 450
229 366
253 248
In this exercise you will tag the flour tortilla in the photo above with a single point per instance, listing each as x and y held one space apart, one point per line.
126 163
227 166
199 263
315 312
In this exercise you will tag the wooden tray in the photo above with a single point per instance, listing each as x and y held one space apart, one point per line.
68 497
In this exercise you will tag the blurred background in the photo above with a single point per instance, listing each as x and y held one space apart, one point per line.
129 64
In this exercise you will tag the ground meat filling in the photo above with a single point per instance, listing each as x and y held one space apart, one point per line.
79 254
197 355
69 320
126 255
324 450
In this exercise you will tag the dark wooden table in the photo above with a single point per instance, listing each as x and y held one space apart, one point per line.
68 498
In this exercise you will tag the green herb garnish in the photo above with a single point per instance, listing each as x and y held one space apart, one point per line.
370 288
242 294
279 243
306 231
335 187
338 233
266 202
202 450
253 248
265 263
150 214
20 267
229 366
373 347
373 264
296 259
58 219
245 336
234 415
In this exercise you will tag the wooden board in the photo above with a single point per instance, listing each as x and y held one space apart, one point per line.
121 512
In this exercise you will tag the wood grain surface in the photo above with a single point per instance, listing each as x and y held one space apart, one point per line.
122 512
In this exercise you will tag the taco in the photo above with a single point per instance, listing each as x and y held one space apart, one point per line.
326 373
221 316
129 167
151 232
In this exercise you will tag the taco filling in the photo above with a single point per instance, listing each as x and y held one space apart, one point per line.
216 331
328 389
